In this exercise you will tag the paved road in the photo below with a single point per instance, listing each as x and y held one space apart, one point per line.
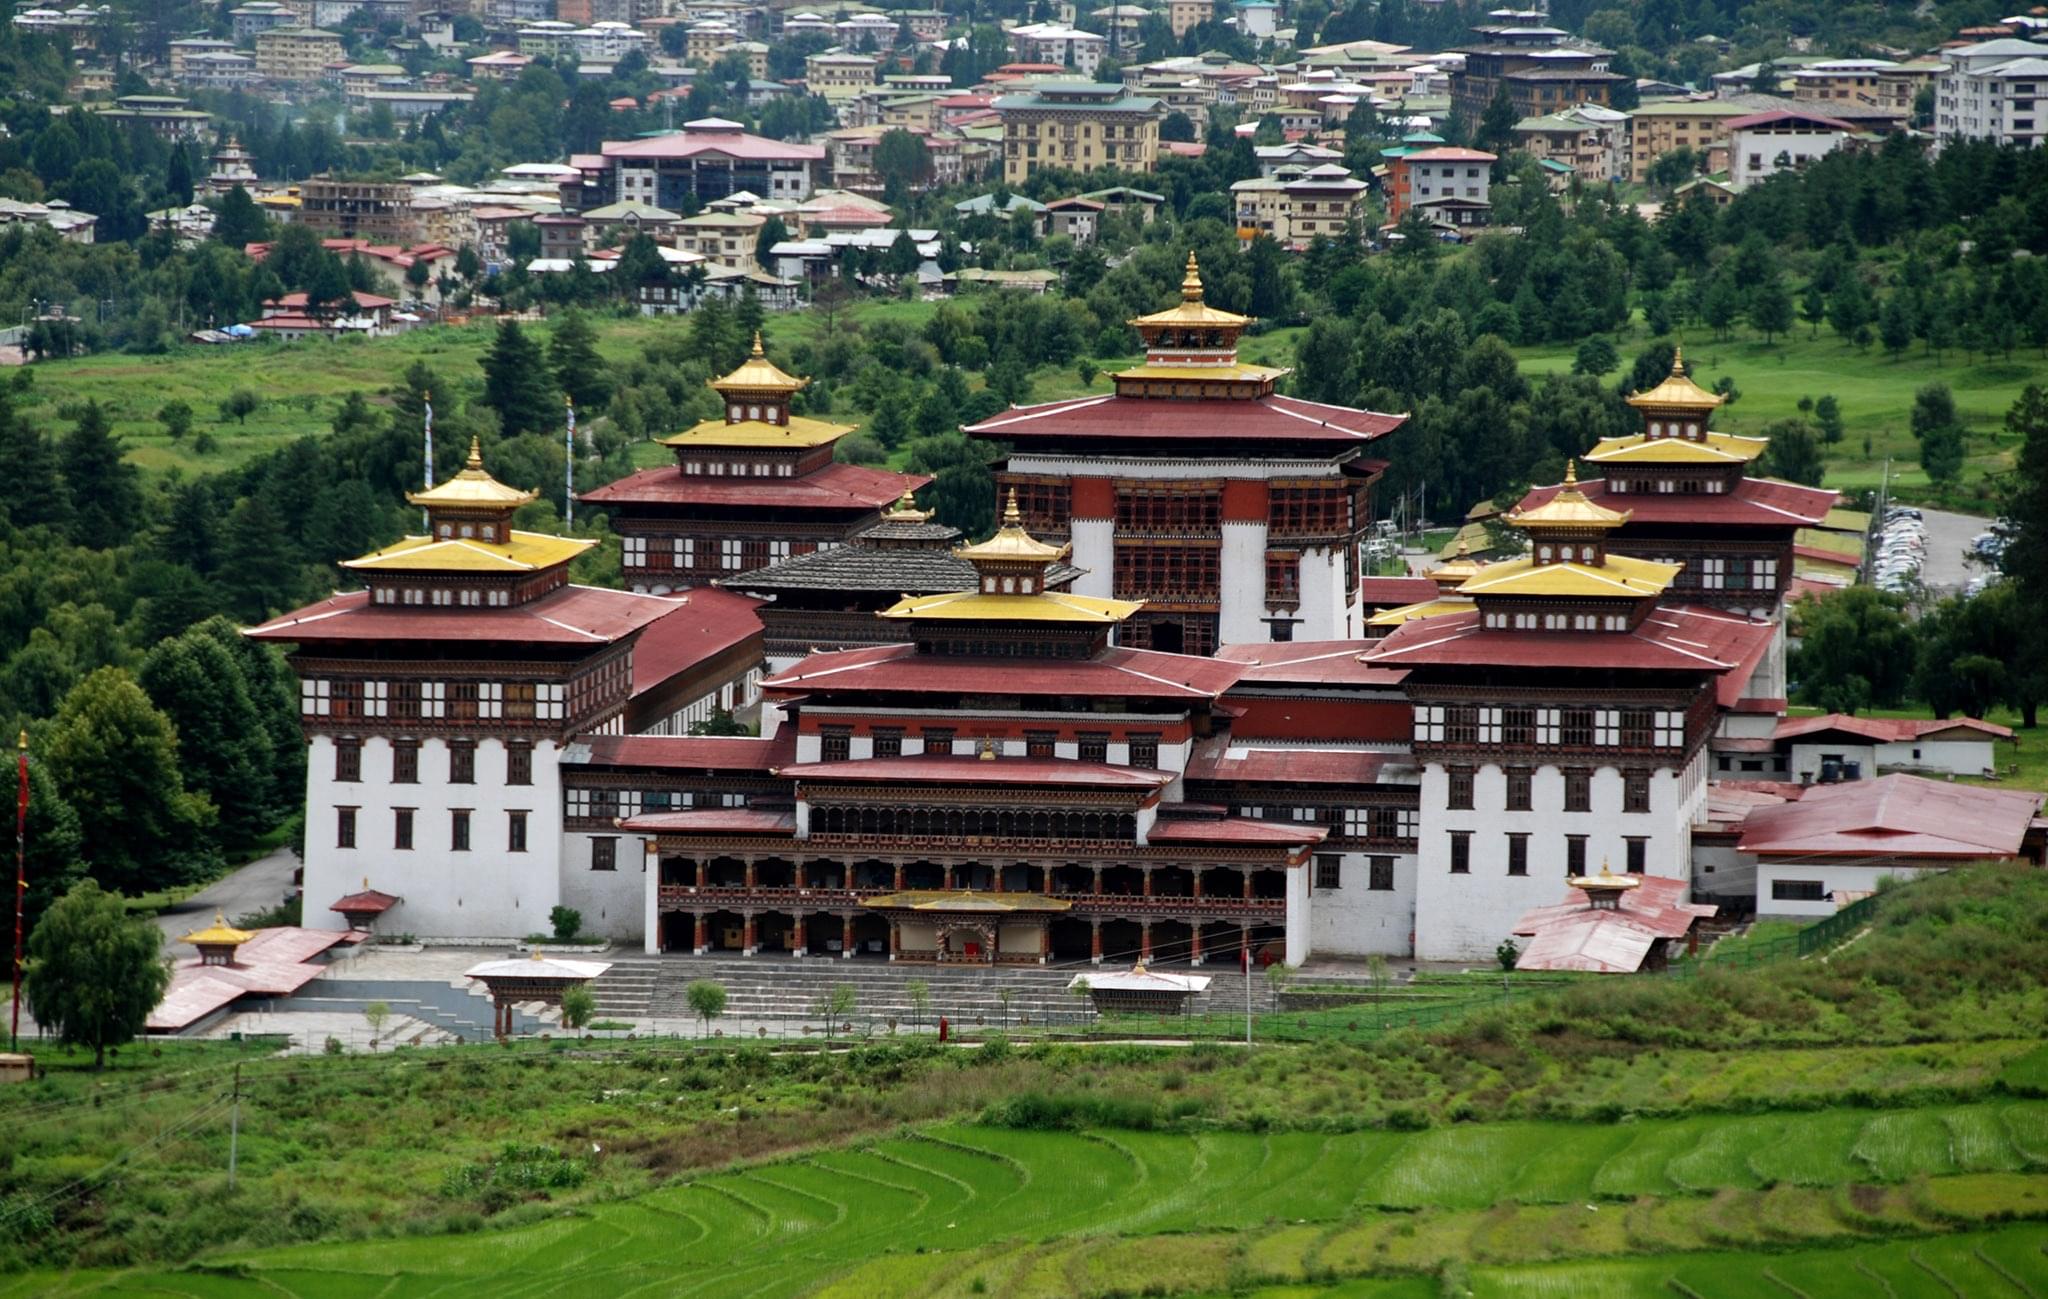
261 884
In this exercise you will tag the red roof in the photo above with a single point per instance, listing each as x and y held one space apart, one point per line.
370 902
1574 936
709 622
1889 730
572 615
367 301
693 752
1449 154
690 142
292 321
835 487
275 963
1114 673
1680 638
1219 759
1271 418
714 820
1787 115
1755 501
1233 829
967 769
1894 816
1393 592
1311 662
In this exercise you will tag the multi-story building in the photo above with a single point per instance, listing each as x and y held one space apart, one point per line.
1763 144
349 209
725 239
704 41
438 701
1991 92
1592 141
1069 47
1184 16
167 117
1232 512
298 55
180 52
709 158
757 486
232 166
1539 68
1296 205
260 16
1077 126
839 76
1446 184
1007 787
1700 125
220 70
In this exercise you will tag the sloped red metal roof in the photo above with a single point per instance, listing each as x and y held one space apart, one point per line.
1218 759
1761 502
1320 662
1894 816
370 902
1886 730
1573 936
1271 418
275 963
835 487
731 144
707 622
748 753
1233 829
1115 672
1393 592
714 820
572 615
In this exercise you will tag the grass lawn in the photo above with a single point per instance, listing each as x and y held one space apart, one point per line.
1875 392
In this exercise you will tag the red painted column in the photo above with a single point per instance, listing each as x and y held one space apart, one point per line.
1198 883
1095 941
1146 872
899 877
703 872
799 939
1048 880
703 935
895 940
1098 882
946 879
1144 940
997 872
846 939
750 878
1247 886
747 942
1044 944
1195 943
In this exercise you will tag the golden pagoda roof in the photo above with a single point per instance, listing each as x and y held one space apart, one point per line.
1192 310
1605 881
1568 509
219 934
799 431
1012 542
759 374
1236 371
905 510
522 552
1678 391
1408 613
1616 576
1458 570
1044 606
1712 449
473 486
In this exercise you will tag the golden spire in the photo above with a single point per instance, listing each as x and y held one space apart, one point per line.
1571 475
473 487
1012 542
905 510
476 453
757 344
1678 361
1191 284
1569 508
1012 516
988 749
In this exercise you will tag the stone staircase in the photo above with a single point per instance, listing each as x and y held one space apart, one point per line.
786 988
626 991
453 1010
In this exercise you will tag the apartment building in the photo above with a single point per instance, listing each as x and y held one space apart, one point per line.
1299 204
1077 126
1993 91
298 55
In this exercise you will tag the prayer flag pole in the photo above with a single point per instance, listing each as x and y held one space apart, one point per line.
428 402
20 882
569 465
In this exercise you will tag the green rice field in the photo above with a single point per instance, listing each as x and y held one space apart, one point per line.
1942 1200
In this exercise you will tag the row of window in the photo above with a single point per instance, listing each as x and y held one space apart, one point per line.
835 744
1168 571
403 818
1635 728
741 468
496 597
1578 790
1530 621
405 762
1351 822
734 553
1379 873
433 700
1636 854
1669 486
609 804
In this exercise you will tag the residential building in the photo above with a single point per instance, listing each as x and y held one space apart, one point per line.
1838 747
1700 126
1447 184
165 116
1761 145
296 55
711 158
499 65
1990 92
260 16
380 211
722 238
1075 218
1591 141
179 53
839 76
220 70
1069 47
1184 16
756 486
1297 205
1077 126
704 42
1540 68
1233 512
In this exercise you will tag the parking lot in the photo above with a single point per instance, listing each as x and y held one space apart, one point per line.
1944 562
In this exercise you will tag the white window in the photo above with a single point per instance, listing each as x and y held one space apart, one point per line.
1489 726
1429 723
443 596
729 552
1547 725
1556 621
433 699
1765 574
500 597
686 552
1713 573
490 699
1525 622
633 551
1408 823
778 550
1606 727
1617 622
315 698
413 595
577 802
1357 822
376 698
1670 732
550 702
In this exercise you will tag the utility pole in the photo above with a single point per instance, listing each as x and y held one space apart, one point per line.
235 1126
20 884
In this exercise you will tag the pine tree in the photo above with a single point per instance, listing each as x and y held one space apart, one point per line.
1813 306
1770 308
106 498
516 383
579 370
222 751
191 536
258 574
274 692
240 222
35 493
1827 413
178 176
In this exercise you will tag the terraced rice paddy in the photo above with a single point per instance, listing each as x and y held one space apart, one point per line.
970 1209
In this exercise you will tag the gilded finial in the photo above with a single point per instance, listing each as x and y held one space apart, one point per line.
476 453
1012 516
22 743
1678 362
568 401
1464 548
757 344
988 749
1571 474
1191 284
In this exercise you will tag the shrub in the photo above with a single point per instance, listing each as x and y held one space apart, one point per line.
567 923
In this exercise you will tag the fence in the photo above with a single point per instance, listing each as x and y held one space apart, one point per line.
1820 936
